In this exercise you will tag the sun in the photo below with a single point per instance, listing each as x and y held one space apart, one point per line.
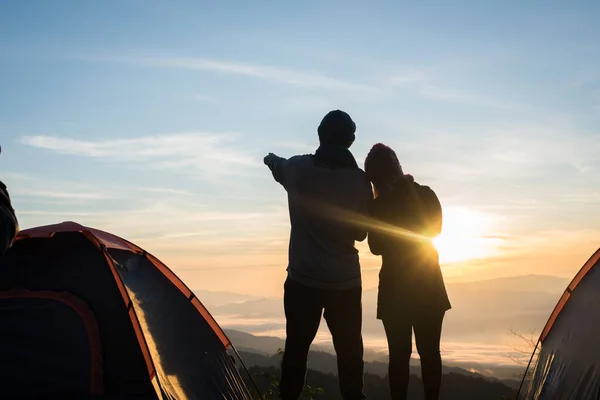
465 236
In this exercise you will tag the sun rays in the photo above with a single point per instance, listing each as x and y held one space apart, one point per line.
465 236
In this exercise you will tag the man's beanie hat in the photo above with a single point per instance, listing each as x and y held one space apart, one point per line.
337 128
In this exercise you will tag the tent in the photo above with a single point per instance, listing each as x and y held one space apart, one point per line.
567 365
86 313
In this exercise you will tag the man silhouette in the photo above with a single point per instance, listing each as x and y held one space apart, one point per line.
324 191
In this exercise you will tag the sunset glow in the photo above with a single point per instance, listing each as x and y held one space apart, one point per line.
465 236
151 121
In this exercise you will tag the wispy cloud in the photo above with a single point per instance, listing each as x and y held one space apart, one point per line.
186 227
162 218
201 152
168 222
158 190
511 152
70 195
47 213
423 80
593 197
41 189
532 145
436 92
33 189
269 73
293 146
426 82
411 75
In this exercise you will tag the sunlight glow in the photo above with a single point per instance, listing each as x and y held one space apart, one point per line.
465 236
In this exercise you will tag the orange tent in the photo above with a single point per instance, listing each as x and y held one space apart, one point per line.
567 355
86 312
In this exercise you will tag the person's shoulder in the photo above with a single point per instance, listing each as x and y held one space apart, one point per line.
298 162
426 193
360 176
358 173
300 159
425 189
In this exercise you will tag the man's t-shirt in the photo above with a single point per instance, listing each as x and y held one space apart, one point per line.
327 208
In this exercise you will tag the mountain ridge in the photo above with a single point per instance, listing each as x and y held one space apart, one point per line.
327 363
262 351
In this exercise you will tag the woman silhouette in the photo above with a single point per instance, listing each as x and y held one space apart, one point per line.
412 294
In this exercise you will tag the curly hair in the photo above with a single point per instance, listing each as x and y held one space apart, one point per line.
382 165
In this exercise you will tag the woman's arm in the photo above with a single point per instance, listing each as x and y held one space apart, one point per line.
375 243
376 238
362 226
433 209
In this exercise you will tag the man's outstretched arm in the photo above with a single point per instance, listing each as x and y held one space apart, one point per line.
275 164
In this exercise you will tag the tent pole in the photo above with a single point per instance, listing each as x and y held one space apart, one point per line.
527 369
248 372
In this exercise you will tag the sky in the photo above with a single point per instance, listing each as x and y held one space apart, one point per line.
150 119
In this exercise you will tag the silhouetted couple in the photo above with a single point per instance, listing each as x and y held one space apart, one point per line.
332 205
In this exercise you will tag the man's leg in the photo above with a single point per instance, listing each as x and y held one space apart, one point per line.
428 331
399 336
303 307
343 313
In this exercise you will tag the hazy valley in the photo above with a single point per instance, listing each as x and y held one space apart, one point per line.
477 331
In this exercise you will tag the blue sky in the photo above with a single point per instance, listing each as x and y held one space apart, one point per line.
150 119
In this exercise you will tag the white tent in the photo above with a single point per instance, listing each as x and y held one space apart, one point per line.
568 350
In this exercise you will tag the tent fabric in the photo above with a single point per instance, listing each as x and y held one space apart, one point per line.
568 362
65 357
134 328
174 333
107 240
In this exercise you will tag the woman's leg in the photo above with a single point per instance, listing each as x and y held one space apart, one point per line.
428 331
399 337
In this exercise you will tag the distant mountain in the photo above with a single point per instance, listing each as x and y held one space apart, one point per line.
263 345
482 311
212 299
456 383
492 307
253 308
476 333
524 283
327 363
261 351
269 345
